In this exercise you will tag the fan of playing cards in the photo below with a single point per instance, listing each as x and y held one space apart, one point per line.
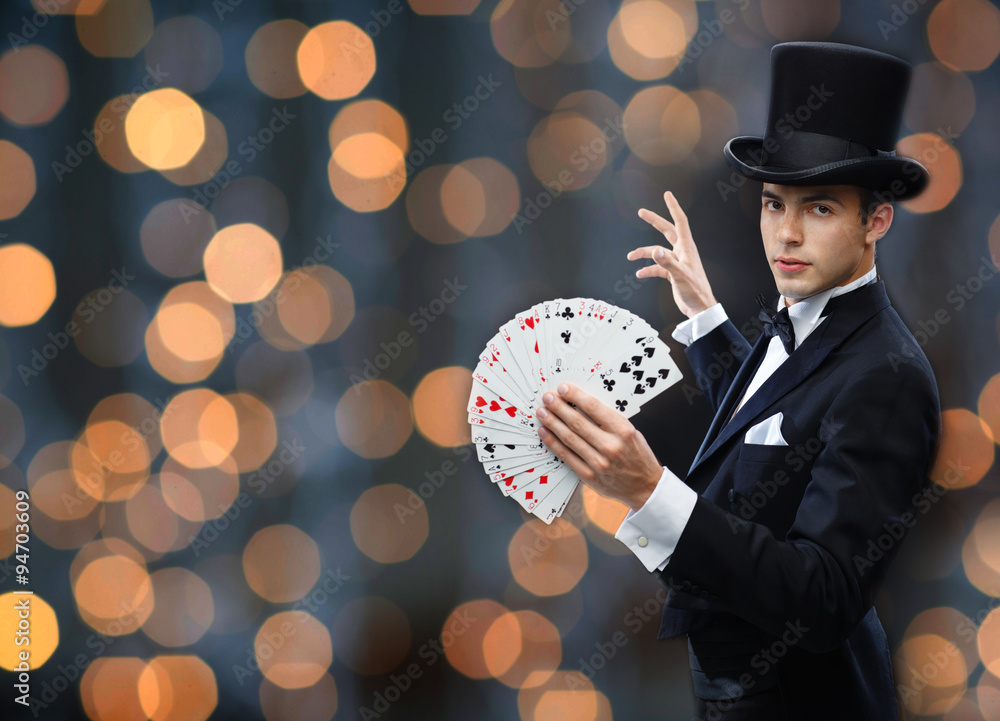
605 350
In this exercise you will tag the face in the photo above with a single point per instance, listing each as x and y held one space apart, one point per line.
818 232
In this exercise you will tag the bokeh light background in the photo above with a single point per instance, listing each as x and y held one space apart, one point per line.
249 252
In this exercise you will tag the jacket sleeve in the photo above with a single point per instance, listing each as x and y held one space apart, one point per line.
858 502
715 359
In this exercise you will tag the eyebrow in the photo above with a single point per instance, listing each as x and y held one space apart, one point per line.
806 199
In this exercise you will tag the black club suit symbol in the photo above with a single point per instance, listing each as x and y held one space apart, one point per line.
566 336
608 384
567 313
621 405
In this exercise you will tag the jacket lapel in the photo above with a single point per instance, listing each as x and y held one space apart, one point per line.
845 313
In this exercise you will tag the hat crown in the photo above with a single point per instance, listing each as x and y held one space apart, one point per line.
833 119
843 91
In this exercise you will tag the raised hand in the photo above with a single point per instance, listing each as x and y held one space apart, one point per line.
680 264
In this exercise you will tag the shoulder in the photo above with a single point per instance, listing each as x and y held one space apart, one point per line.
884 352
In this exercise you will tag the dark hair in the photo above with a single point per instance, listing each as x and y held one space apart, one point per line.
869 202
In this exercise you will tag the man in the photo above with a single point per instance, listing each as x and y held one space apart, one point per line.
824 430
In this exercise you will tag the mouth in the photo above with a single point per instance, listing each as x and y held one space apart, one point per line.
790 264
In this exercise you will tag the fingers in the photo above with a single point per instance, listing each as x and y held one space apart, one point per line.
661 267
581 434
563 453
559 431
653 271
599 422
679 216
649 251
661 224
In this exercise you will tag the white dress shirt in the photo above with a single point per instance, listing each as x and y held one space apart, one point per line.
652 532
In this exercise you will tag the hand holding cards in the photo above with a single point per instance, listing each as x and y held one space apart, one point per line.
606 351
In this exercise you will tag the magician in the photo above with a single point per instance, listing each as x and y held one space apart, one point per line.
824 431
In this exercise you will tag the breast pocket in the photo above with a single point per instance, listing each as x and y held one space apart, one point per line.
762 453
768 485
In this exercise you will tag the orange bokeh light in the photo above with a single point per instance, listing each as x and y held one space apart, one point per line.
243 262
336 60
165 128
439 406
281 563
27 281
548 560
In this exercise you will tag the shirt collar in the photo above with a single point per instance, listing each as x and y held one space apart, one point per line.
805 314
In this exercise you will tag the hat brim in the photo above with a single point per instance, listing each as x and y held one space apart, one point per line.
902 178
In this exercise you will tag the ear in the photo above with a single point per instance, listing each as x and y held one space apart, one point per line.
879 222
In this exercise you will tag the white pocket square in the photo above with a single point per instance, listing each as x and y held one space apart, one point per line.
767 432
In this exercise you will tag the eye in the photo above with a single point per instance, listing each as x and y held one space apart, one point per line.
826 210
767 204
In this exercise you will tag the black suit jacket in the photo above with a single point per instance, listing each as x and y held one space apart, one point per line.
799 536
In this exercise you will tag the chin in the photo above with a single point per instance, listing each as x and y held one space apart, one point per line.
795 291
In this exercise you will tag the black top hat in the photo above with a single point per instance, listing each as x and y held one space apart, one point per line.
834 114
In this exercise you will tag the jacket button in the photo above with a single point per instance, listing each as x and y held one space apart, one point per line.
732 495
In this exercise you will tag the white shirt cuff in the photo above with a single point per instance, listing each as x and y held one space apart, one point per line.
652 532
700 324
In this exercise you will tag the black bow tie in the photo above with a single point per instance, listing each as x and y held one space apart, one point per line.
777 323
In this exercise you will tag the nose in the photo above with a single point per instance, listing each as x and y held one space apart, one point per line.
790 230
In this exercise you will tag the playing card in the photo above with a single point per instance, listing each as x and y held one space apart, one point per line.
485 423
546 317
607 351
486 375
499 451
614 383
526 323
511 483
641 372
483 434
508 370
530 495
501 471
567 333
555 502
512 336
486 403
509 462
619 327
